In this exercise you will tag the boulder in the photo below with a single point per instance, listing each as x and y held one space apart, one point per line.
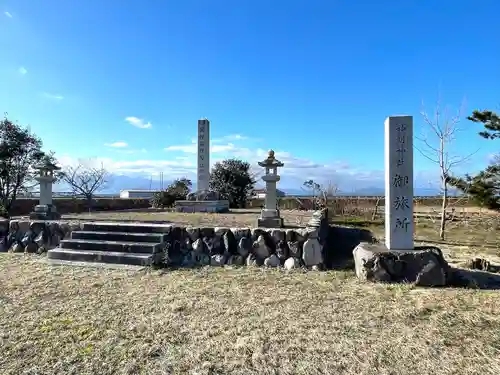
291 263
311 252
244 246
424 266
260 248
272 261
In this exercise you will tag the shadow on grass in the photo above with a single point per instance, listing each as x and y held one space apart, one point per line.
461 243
357 222
473 279
341 242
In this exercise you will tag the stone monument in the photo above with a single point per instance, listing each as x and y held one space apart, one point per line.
203 200
398 260
399 183
270 215
203 168
45 210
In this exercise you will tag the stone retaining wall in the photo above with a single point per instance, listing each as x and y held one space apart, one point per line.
290 248
35 236
314 247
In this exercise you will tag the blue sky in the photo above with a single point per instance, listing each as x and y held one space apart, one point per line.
314 80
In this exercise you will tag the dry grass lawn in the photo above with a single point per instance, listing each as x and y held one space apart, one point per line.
63 320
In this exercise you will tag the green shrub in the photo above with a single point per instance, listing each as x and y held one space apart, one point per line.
163 199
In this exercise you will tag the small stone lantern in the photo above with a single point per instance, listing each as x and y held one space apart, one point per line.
270 215
45 210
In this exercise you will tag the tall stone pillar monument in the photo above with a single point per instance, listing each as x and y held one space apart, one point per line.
203 171
203 200
398 260
270 215
399 183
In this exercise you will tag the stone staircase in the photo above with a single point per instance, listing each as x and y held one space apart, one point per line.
132 244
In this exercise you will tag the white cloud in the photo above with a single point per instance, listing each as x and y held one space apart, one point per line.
139 123
296 170
192 148
235 137
116 144
52 96
8 14
22 70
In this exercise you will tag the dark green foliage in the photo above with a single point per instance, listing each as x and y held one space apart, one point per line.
180 188
491 123
177 190
162 199
484 188
20 152
232 180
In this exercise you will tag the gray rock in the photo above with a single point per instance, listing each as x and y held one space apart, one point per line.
295 248
311 252
199 246
31 248
272 261
294 235
291 263
235 260
260 248
282 251
39 240
189 260
277 235
203 259
193 233
244 246
207 232
219 231
230 244
186 245
239 233
312 233
256 233
17 248
423 266
251 260
318 217
217 260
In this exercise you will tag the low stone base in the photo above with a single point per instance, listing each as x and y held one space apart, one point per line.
45 212
202 206
423 266
45 216
270 222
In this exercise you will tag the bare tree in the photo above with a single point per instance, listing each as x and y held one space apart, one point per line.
443 129
85 180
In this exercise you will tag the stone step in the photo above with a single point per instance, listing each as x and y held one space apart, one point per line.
127 227
116 246
97 256
118 236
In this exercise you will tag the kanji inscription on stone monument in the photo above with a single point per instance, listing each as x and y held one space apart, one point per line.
203 175
399 183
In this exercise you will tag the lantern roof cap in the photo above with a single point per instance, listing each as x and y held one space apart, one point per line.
270 161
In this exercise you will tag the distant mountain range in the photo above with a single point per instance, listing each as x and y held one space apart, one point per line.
122 182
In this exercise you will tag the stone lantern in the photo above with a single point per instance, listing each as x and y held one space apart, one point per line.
45 210
270 215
